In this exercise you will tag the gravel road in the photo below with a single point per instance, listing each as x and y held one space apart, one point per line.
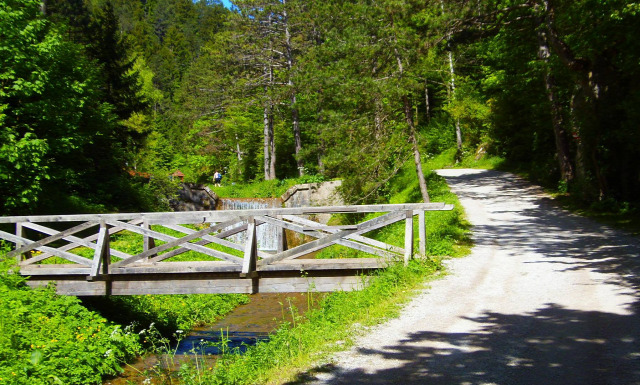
546 297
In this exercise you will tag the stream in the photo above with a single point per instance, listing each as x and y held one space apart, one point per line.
244 326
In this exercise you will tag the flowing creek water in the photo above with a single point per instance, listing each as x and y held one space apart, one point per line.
266 234
244 326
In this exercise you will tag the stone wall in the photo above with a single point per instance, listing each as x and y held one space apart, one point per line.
314 194
194 197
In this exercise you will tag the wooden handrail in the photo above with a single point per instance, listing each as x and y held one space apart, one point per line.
146 271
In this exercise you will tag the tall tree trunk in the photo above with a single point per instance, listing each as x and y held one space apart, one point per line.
559 131
408 113
587 97
426 102
272 157
453 97
297 136
267 142
239 156
321 148
452 94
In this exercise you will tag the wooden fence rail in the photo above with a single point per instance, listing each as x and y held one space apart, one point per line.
51 254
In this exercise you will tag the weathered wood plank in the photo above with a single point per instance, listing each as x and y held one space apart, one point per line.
52 238
50 250
101 255
326 264
90 238
321 227
75 241
422 233
172 242
147 241
185 217
327 241
281 239
207 286
357 238
216 238
148 268
56 269
250 251
368 249
281 223
408 237
21 233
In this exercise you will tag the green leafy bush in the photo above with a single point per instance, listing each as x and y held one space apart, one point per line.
46 338
168 312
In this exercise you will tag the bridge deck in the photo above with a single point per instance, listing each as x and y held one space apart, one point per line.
232 267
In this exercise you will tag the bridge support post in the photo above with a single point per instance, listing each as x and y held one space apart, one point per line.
21 233
250 250
147 241
408 237
102 255
422 225
282 239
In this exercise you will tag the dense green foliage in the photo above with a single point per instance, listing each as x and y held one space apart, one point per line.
168 313
51 339
354 90
357 89
63 143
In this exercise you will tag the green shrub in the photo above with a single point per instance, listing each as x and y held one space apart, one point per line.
50 339
168 312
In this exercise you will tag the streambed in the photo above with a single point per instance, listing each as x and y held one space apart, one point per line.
244 326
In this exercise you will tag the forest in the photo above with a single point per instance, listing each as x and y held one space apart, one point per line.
102 100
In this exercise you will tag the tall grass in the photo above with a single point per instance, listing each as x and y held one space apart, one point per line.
263 189
447 159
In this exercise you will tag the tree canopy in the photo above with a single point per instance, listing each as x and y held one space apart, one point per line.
92 91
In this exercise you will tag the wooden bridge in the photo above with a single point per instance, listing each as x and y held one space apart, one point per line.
78 252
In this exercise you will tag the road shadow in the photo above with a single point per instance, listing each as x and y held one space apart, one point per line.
535 224
549 345
505 351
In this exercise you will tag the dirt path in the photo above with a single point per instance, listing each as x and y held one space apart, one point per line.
546 297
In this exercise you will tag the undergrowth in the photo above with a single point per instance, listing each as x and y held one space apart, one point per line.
263 189
447 159
50 339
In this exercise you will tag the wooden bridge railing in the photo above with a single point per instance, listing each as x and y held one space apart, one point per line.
112 271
